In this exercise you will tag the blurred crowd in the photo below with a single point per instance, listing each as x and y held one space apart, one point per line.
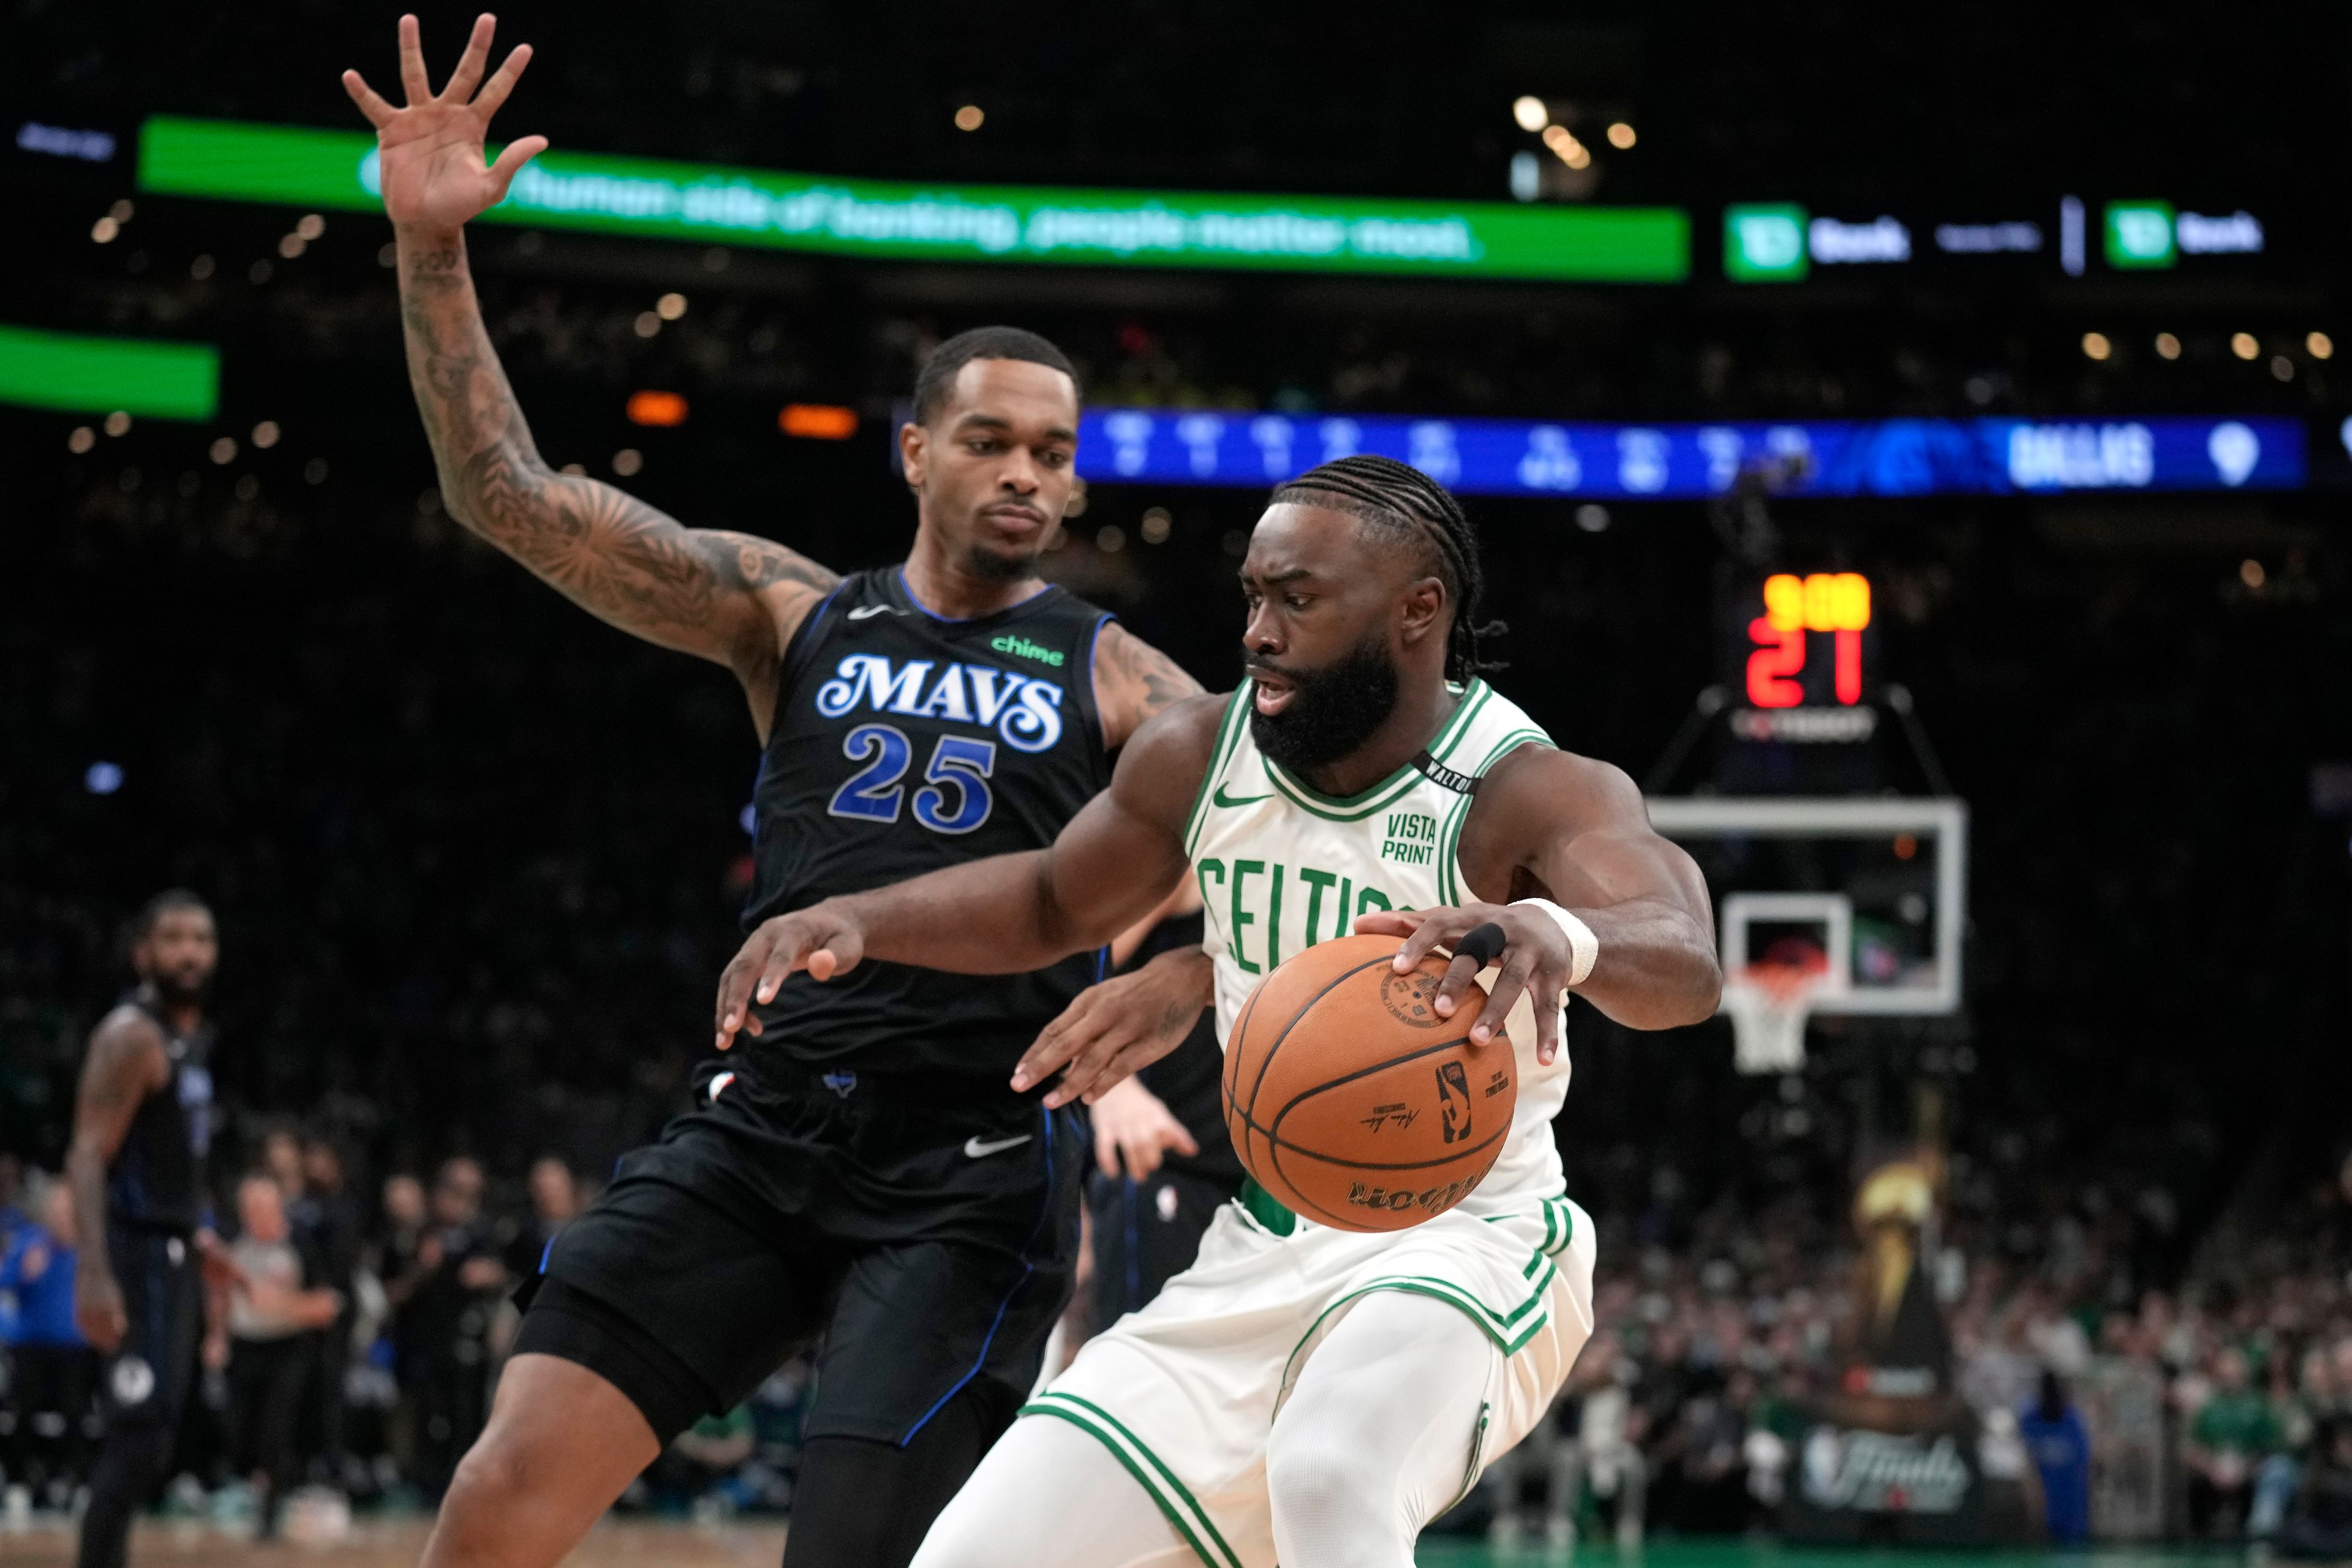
357 1356
2219 1411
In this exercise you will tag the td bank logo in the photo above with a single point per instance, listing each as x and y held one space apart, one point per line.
1021 648
1765 243
2141 233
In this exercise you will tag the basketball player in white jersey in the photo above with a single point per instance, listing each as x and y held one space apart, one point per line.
1304 1394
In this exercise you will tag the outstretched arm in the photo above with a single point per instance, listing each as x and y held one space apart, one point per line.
734 598
1555 825
1010 913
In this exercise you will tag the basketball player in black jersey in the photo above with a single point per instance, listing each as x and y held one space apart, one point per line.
863 1171
142 1119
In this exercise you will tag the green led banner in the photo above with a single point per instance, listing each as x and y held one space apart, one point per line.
708 204
101 376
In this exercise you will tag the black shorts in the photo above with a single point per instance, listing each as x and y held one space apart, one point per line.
1145 1232
929 1245
146 1380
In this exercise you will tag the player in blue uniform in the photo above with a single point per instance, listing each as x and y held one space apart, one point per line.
862 1173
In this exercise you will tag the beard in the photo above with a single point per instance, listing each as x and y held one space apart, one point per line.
1332 711
991 566
179 988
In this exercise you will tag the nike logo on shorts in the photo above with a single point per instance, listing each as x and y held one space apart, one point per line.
867 612
977 1149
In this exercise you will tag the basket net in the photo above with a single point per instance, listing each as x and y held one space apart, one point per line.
1769 1003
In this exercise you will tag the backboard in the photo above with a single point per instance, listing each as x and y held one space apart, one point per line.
1869 891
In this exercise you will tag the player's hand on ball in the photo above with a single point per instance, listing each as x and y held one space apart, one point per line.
1135 1128
819 939
1534 958
1112 1029
431 163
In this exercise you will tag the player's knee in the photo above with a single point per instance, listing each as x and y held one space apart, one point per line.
492 1474
1322 1480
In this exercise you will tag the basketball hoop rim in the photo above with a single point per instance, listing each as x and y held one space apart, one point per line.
1783 984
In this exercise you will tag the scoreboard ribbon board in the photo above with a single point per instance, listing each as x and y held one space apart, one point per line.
1686 462
711 203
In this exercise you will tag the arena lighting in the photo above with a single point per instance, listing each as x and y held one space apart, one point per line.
970 117
1620 136
1607 463
2319 346
1530 112
1566 147
818 421
709 204
2244 345
658 409
2168 346
2096 345
115 376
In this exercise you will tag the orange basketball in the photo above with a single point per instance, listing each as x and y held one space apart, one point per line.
1353 1101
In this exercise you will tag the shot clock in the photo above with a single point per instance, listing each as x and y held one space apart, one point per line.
1796 610
1798 656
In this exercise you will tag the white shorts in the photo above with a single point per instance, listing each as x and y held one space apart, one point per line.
1184 1392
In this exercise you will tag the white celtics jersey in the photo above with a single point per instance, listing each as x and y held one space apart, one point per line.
1282 867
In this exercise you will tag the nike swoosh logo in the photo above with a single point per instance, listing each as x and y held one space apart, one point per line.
867 612
975 1148
1222 798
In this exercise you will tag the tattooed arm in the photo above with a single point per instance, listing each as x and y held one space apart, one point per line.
1133 680
734 598
125 1065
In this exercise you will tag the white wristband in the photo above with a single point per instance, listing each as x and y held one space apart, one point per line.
1583 947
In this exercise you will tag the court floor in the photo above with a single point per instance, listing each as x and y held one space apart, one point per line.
629 1543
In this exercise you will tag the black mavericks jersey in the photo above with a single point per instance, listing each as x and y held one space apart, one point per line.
903 743
157 1179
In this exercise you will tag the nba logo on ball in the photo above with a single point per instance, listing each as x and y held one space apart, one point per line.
1353 1101
1454 1102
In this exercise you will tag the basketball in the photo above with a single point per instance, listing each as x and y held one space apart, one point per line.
1353 1101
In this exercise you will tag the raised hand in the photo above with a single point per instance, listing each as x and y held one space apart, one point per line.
434 171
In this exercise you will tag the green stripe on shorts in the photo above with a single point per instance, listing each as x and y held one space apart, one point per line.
1175 1500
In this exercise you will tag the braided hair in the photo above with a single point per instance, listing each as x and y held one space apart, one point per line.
1410 507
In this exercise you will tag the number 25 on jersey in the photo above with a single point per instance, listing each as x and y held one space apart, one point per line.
954 797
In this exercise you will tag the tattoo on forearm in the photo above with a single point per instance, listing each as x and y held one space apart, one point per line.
1147 677
620 558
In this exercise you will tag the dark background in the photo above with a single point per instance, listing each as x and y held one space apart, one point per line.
477 856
